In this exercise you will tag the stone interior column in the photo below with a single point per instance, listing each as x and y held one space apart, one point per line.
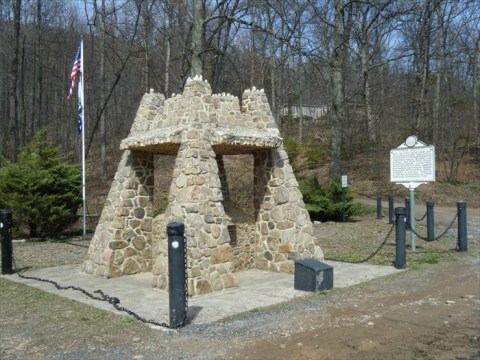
196 200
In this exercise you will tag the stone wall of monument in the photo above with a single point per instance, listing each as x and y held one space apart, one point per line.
122 240
283 225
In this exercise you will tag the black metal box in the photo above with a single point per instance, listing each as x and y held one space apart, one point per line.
313 275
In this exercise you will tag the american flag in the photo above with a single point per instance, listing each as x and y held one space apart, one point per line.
80 110
76 69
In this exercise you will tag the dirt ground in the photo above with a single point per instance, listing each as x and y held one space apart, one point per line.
426 312
432 314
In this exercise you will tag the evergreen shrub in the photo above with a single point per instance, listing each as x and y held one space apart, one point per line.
310 154
43 192
327 203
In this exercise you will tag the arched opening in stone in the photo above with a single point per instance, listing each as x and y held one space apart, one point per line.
236 177
238 198
163 173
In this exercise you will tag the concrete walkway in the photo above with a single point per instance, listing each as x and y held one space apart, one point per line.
256 289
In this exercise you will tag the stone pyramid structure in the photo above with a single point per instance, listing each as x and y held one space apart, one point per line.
199 128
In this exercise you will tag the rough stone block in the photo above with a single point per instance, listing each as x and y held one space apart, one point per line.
222 254
117 245
203 287
229 281
130 266
284 248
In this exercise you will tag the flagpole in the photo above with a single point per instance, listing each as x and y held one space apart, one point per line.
84 205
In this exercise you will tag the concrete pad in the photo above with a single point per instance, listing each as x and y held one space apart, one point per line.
256 289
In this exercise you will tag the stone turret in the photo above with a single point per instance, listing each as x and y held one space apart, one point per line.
199 128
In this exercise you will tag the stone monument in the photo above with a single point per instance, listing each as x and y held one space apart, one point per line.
199 128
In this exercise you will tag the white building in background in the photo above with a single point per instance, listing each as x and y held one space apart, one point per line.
312 111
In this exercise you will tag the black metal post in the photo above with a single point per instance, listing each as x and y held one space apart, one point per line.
462 226
6 234
379 206
400 238
407 207
391 211
176 274
430 221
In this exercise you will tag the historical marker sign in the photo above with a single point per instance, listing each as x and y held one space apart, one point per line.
412 163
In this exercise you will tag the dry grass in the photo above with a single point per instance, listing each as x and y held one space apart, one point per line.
357 240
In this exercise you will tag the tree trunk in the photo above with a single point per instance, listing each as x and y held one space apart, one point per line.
252 53
103 134
168 46
146 64
146 12
197 38
367 97
300 99
439 78
37 109
476 92
338 90
13 128
421 101
272 68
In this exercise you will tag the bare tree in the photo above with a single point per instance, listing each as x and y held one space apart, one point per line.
374 20
476 90
101 26
197 38
422 62
13 106
343 23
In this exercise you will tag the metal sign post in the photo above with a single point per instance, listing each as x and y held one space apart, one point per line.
411 165
412 219
344 191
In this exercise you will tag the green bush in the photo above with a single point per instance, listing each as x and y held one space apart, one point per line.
310 153
314 154
327 203
43 192
293 148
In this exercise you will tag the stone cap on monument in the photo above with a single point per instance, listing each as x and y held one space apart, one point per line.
160 124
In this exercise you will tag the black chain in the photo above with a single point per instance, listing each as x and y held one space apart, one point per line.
371 255
423 217
436 238
184 322
114 301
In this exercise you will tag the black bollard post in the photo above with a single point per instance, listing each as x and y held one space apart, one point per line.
400 238
176 274
391 211
6 234
379 206
407 207
430 221
462 226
